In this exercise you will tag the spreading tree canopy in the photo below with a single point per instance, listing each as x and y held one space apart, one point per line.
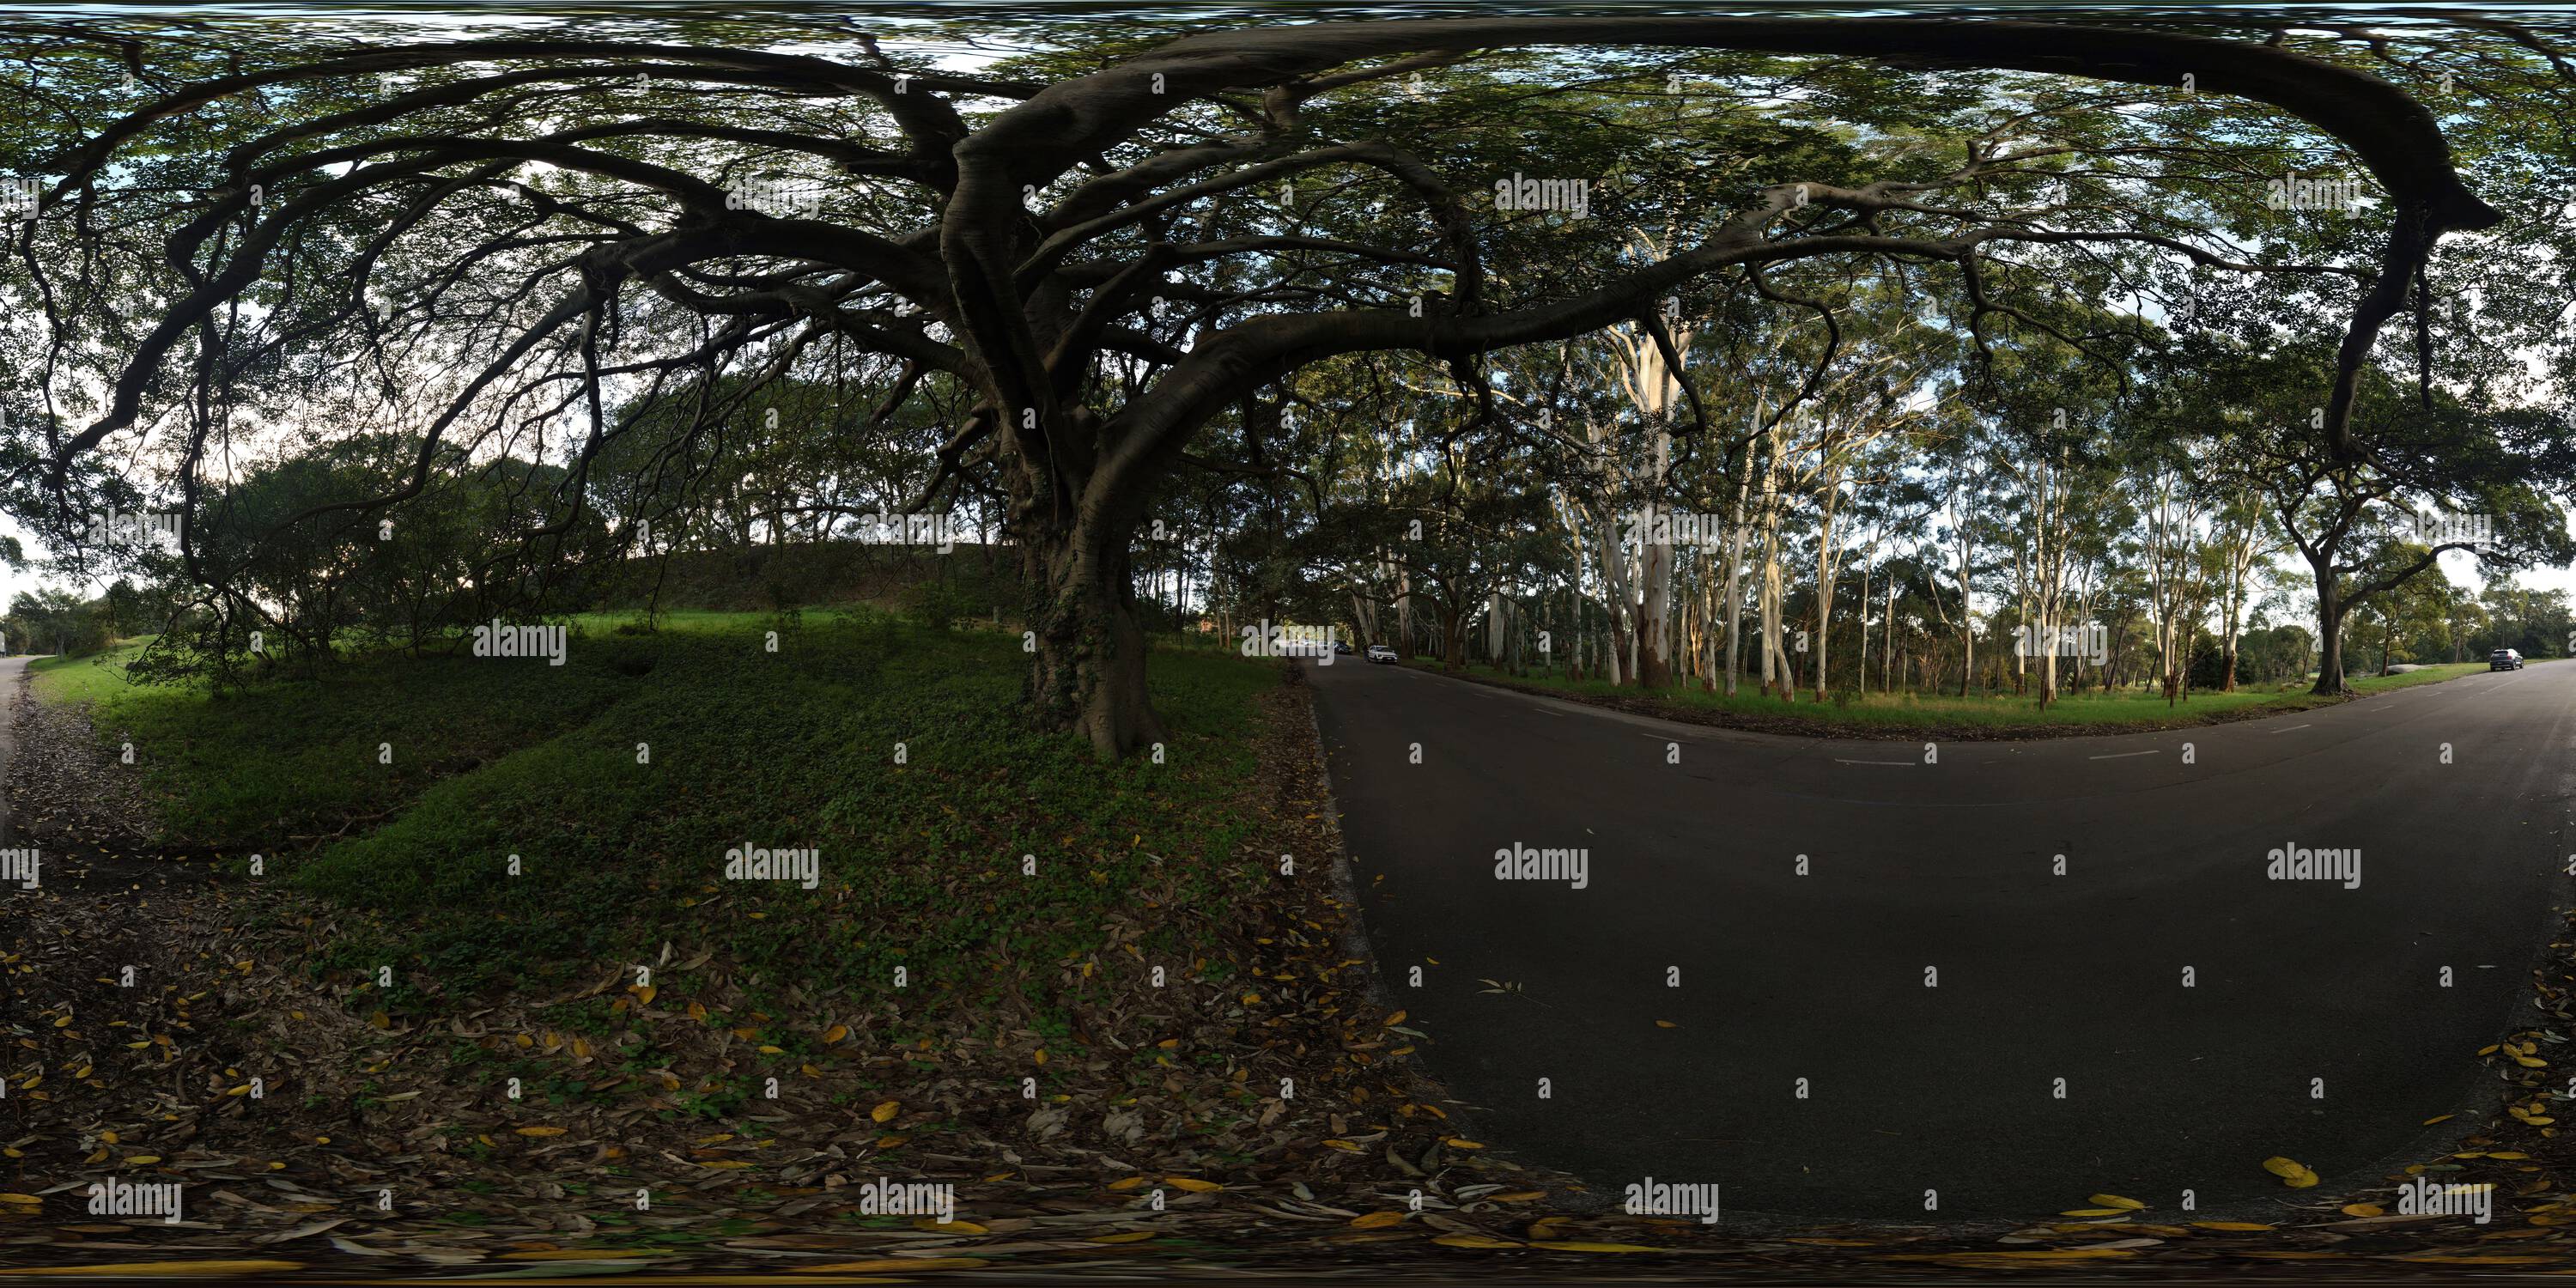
1083 255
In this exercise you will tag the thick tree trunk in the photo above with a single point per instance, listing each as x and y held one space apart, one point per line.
2330 613
1088 673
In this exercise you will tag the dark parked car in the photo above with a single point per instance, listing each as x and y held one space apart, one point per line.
2504 659
1342 647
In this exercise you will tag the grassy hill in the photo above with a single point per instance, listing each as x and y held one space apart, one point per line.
401 789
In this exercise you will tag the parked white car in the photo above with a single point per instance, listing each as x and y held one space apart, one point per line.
1380 653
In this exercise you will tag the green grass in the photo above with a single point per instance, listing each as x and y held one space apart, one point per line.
298 758
2141 708
2428 675
92 678
621 778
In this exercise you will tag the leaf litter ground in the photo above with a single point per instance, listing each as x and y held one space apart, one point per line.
362 1152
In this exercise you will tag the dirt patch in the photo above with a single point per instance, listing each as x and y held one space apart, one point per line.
65 785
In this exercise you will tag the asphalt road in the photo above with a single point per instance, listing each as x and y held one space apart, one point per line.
1953 1088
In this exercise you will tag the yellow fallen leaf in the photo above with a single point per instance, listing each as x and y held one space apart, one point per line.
2296 1175
953 1227
1666 1024
2439 1118
836 1033
885 1111
1125 1183
645 993
2115 1201
1192 1184
1516 1196
1376 1220
2362 1209
542 1131
1473 1241
2100 1211
2231 1225
1130 1236
19 1198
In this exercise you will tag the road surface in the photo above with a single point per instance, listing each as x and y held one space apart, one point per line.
2316 1023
